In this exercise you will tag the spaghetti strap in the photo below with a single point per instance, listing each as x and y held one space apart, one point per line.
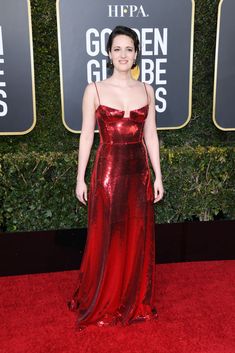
146 92
97 92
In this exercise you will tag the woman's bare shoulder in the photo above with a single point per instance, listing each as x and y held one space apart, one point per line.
89 90
90 86
148 86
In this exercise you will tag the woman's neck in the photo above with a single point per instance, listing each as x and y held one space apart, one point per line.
121 78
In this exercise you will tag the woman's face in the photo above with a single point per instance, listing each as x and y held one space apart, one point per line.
122 52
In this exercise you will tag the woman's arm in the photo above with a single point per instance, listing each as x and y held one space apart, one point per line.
152 144
86 140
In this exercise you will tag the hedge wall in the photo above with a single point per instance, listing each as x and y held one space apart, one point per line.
38 188
37 171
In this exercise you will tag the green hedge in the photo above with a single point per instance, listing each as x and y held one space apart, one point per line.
38 188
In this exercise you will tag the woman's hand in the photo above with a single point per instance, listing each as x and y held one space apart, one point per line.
158 190
81 191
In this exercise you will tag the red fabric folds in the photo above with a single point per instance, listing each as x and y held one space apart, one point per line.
117 276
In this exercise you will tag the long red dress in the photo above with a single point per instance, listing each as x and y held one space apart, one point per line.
117 275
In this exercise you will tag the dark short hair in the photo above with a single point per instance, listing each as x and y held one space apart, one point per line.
127 32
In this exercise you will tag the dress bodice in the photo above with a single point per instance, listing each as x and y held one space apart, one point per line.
115 128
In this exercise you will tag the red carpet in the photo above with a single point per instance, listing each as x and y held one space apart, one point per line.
196 307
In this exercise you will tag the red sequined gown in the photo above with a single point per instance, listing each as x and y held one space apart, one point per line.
117 276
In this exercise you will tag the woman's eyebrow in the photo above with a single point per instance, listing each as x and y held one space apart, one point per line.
118 46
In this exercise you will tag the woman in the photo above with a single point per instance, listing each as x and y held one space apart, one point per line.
117 275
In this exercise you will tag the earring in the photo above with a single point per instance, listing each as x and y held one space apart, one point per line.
109 63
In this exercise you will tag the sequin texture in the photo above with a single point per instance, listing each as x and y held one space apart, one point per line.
116 284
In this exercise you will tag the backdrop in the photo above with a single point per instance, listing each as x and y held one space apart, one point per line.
165 30
224 85
17 93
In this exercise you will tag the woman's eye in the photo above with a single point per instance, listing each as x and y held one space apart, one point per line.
116 49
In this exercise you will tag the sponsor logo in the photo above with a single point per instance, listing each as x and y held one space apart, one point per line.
126 11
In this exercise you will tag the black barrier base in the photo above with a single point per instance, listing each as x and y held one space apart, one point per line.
60 250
